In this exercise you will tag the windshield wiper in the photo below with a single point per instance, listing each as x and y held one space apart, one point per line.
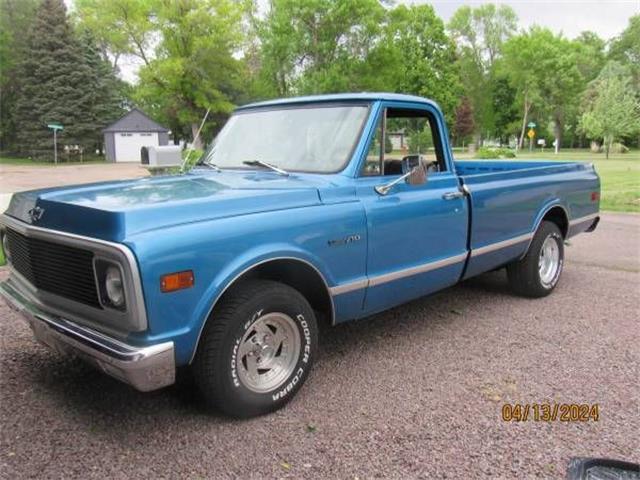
260 163
211 165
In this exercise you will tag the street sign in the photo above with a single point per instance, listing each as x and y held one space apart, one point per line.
55 127
531 133
531 125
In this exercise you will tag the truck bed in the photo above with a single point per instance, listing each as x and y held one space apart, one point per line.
509 198
466 168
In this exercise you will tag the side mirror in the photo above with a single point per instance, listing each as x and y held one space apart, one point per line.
417 166
416 176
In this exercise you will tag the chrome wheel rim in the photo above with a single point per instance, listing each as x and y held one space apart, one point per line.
268 352
549 261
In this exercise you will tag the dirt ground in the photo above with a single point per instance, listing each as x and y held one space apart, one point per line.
15 178
416 392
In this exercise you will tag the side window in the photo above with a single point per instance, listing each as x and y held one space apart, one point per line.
374 154
406 133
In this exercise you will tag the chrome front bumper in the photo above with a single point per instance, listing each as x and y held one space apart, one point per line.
144 368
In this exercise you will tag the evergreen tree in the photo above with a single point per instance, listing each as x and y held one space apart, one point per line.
57 86
15 19
107 91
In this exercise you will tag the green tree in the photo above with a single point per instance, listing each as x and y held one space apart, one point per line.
626 49
188 52
541 68
504 106
119 27
16 17
479 34
422 60
57 85
109 94
321 46
590 57
612 110
562 85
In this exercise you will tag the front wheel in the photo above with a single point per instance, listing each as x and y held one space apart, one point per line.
538 272
257 349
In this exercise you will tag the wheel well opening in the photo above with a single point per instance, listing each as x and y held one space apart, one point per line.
301 276
558 216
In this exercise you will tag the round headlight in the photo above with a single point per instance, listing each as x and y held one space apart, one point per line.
5 247
113 286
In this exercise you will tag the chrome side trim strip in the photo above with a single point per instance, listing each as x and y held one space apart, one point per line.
492 247
408 272
586 218
389 277
398 274
349 287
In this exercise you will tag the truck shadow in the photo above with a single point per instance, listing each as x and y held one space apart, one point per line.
109 407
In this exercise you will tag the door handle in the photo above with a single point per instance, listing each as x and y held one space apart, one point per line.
452 195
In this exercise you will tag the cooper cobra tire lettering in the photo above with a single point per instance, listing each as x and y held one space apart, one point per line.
305 359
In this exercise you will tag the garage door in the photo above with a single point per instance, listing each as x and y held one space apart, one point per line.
128 145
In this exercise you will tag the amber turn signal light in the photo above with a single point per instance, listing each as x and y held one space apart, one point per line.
176 281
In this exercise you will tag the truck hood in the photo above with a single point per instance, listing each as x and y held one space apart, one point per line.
117 210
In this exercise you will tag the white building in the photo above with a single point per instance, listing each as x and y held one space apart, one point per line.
124 138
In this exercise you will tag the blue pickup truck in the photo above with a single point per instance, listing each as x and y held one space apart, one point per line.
303 210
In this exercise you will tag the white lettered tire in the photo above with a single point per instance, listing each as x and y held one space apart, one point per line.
257 348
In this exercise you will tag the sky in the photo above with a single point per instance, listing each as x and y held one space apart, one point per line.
605 17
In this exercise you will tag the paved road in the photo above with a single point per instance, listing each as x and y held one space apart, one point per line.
15 178
415 392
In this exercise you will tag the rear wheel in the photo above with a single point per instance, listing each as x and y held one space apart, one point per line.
257 349
538 272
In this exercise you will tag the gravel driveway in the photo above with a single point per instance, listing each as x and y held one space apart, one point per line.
416 392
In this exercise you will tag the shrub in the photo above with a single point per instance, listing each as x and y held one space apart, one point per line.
486 153
619 148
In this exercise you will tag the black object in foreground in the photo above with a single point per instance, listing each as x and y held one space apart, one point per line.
602 469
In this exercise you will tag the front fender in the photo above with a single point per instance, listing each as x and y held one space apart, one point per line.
219 251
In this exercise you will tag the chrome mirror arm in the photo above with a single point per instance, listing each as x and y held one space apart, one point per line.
386 188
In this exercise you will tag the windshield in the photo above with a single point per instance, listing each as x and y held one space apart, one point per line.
307 138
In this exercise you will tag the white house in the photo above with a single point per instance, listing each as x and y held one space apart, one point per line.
124 138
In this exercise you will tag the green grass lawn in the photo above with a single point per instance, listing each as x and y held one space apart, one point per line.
619 174
2 260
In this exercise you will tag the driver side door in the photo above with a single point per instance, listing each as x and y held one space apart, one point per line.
417 234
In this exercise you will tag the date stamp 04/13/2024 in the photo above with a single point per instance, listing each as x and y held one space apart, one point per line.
550 412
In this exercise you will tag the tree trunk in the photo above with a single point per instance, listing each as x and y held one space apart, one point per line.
607 146
197 141
524 124
558 129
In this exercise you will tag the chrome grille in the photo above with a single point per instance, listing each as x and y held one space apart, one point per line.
55 268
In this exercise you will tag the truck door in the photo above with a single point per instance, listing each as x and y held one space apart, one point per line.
417 234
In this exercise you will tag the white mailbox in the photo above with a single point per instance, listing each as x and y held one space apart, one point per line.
161 156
